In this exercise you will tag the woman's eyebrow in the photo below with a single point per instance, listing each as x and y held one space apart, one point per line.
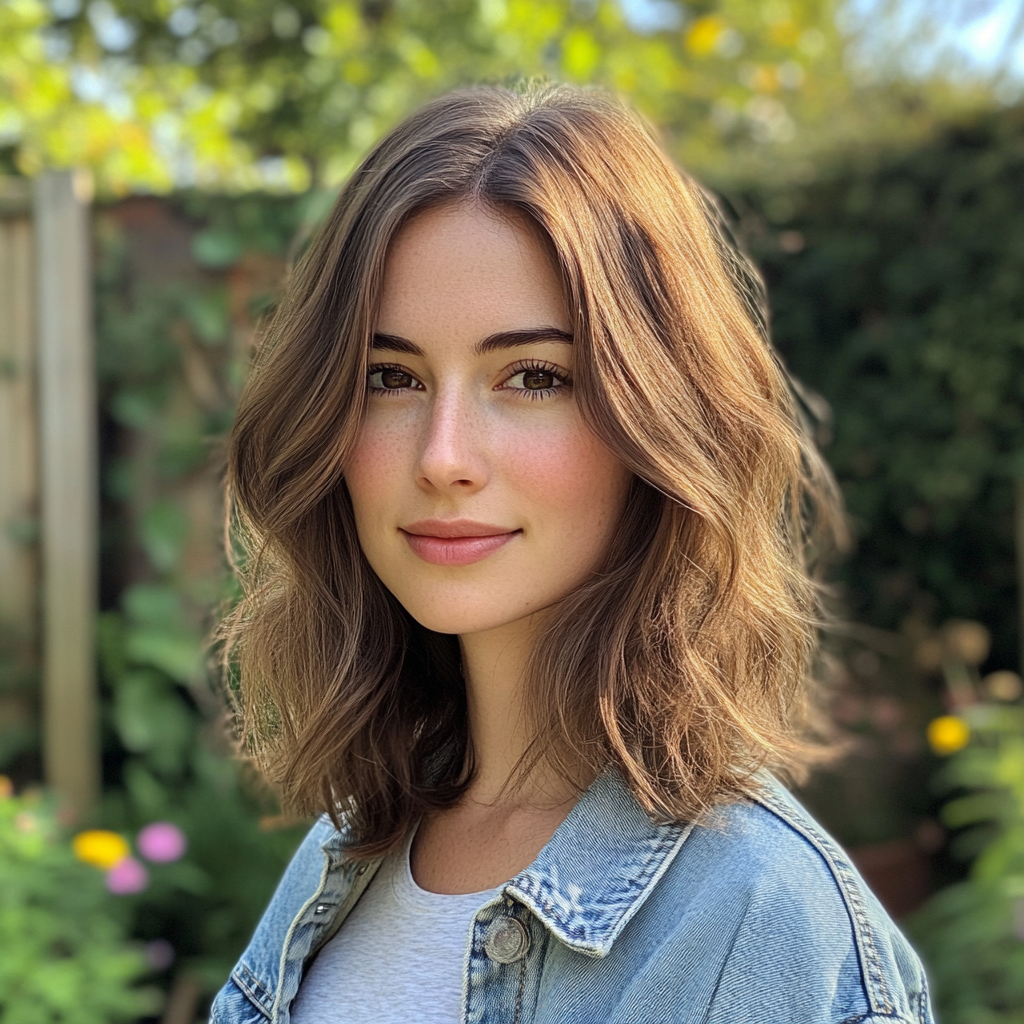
510 339
393 343
492 343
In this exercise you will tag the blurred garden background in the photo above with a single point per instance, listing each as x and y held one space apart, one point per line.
870 157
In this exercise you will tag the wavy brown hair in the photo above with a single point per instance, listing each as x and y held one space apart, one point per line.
686 661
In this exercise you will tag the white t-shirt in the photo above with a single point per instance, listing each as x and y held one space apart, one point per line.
397 959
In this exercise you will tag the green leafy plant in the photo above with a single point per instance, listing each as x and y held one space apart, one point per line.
66 956
972 933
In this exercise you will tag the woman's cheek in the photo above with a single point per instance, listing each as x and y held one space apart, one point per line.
374 465
540 460
568 473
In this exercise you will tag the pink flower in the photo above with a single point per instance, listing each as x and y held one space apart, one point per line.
127 876
161 842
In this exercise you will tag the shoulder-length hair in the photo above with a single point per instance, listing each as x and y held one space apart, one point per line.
686 660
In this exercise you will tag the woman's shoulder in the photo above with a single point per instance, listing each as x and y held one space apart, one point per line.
765 839
784 901
767 850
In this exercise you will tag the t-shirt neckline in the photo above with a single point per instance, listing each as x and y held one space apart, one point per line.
409 891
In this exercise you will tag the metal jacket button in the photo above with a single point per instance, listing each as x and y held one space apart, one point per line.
507 941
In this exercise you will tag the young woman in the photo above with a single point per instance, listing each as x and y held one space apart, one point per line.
528 618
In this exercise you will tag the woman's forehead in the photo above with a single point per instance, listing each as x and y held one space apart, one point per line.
470 270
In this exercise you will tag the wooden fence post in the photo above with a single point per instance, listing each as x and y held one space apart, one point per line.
68 456
19 460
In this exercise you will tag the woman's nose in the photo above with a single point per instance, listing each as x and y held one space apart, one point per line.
452 451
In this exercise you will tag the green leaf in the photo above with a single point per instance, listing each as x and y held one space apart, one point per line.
163 532
152 604
176 652
216 249
207 312
150 716
134 408
580 54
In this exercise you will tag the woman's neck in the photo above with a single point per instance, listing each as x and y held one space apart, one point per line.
496 829
494 666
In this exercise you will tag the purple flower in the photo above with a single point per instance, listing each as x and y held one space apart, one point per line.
127 876
161 842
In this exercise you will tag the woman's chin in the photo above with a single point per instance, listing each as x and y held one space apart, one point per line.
442 617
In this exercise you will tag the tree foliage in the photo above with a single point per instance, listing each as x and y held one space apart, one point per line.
245 93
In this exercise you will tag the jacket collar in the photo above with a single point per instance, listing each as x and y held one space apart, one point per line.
586 884
599 867
596 871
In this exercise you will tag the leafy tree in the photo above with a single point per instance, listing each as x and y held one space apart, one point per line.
253 94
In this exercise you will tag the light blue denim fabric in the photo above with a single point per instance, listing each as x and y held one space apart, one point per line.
752 917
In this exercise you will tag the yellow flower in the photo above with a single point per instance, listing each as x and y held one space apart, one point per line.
704 34
948 734
100 848
765 79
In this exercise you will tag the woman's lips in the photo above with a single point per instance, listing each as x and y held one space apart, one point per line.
455 542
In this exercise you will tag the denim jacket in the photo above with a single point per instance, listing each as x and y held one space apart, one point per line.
753 916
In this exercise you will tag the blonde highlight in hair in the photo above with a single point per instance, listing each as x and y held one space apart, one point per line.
687 661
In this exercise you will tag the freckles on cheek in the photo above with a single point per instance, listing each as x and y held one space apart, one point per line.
375 462
535 461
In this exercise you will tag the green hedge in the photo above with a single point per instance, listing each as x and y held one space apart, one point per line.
897 288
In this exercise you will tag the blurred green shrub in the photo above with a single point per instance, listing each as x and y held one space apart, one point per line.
895 277
66 957
175 768
180 287
972 933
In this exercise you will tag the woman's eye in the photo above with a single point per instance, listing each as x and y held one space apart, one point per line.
391 378
534 379
537 379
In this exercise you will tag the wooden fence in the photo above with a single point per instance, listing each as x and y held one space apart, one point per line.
48 472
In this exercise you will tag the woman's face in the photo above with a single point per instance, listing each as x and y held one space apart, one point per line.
480 495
